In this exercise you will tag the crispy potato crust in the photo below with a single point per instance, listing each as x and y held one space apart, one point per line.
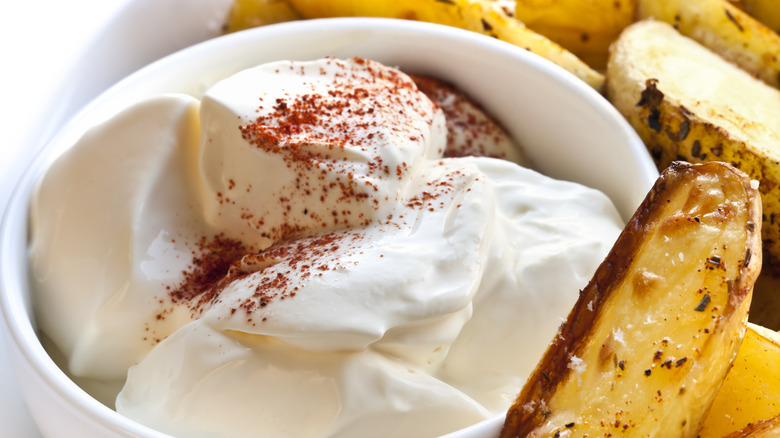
650 339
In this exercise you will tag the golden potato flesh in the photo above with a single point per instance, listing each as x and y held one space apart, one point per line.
586 28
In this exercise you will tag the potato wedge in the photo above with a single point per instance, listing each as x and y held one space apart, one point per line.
651 337
751 392
481 16
246 14
765 11
724 29
689 104
586 28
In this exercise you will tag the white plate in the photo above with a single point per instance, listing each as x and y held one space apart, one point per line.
54 63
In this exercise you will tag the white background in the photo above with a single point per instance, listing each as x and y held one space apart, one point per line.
55 56
39 40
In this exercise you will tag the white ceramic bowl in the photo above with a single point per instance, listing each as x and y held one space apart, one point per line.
567 129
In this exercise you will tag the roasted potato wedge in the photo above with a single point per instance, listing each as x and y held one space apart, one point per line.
651 337
688 103
765 11
586 28
751 392
481 16
724 29
246 14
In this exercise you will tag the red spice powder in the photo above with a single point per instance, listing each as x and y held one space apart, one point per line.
295 262
208 272
342 117
348 114
312 131
274 273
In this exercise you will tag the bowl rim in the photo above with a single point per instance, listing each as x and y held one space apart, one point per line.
16 311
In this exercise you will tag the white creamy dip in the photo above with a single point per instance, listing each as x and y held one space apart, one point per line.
291 255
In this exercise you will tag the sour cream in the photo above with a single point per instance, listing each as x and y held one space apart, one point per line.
292 255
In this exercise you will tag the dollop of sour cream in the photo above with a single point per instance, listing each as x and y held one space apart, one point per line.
293 255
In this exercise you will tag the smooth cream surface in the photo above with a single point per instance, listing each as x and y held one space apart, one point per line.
291 256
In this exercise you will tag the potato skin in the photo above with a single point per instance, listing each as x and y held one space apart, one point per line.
648 361
672 132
